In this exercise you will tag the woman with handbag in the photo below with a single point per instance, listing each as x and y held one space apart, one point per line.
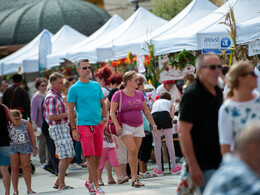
22 144
5 118
131 130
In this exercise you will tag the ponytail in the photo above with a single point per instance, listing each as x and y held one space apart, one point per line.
230 93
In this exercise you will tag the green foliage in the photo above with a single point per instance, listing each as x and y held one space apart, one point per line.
181 59
168 9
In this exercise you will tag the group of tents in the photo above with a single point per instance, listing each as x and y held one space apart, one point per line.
197 27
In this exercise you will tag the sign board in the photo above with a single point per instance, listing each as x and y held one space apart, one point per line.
140 63
44 50
173 73
254 48
211 43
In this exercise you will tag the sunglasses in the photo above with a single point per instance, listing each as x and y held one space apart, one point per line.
43 85
252 73
86 67
213 67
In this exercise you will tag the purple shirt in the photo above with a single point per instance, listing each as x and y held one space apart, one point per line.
131 108
36 113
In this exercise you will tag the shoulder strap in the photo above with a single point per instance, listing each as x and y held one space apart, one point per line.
120 101
12 99
6 113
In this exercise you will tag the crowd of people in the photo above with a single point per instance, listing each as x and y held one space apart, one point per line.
72 116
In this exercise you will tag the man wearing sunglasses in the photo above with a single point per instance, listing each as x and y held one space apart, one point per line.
88 99
199 121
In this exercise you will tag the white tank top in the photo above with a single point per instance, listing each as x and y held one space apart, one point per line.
161 105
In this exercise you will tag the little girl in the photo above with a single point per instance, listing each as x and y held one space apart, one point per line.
22 144
163 113
109 153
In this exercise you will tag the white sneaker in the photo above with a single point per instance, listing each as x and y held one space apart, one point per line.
100 191
74 166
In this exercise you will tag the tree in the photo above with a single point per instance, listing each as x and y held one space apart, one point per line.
168 9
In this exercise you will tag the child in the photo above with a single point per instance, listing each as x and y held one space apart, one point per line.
163 113
22 144
109 153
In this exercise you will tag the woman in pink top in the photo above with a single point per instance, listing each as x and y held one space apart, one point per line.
132 130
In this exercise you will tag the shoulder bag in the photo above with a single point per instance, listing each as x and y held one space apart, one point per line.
111 128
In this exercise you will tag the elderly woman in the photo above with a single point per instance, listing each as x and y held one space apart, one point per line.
36 116
132 130
241 105
5 116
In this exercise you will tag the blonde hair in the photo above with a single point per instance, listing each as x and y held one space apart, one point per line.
16 113
237 70
128 76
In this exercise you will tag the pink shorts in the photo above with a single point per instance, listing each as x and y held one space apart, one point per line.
92 142
108 154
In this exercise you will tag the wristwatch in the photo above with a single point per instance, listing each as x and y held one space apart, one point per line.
155 126
104 119
74 128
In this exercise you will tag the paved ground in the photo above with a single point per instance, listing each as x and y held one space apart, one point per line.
42 182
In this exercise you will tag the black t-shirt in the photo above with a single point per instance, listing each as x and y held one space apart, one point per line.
200 107
4 135
111 93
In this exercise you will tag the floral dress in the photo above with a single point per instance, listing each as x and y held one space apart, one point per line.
20 139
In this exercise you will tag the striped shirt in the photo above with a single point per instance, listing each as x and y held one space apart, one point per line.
54 105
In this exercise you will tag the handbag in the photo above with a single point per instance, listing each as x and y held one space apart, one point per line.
111 128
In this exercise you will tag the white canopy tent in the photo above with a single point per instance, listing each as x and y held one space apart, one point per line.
188 38
55 58
64 38
139 24
11 63
249 30
196 10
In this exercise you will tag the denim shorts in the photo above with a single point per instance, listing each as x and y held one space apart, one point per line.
4 155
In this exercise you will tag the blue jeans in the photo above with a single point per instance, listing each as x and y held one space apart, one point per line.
78 150
206 176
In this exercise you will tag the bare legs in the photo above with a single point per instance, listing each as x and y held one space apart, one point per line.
15 166
133 144
6 179
63 165
93 162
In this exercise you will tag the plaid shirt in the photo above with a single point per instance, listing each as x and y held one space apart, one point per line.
233 177
54 105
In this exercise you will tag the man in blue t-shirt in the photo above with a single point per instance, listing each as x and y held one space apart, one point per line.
88 99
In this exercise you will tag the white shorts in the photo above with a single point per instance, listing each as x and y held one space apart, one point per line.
135 131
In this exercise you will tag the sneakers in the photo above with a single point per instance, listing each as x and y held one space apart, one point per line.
176 171
74 166
91 188
100 191
157 172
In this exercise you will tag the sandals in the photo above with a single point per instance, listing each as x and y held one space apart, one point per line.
31 192
111 182
15 193
100 182
136 183
67 188
55 186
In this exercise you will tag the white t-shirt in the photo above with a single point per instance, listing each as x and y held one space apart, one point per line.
174 92
106 91
161 105
108 144
233 116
